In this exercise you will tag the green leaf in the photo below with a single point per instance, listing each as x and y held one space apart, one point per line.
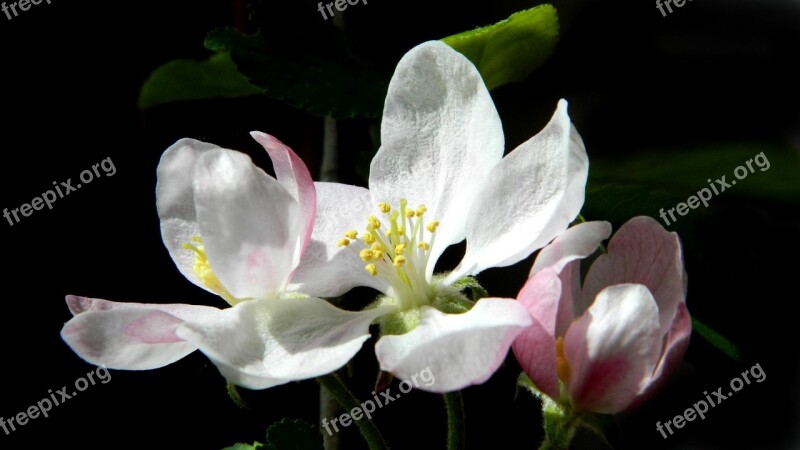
256 446
511 49
685 172
309 66
183 80
618 202
717 340
289 434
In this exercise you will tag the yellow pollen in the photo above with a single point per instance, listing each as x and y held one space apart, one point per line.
352 234
374 222
562 366
433 226
343 242
202 269
410 214
421 210
399 260
384 207
377 254
369 238
371 269
401 231
424 246
400 249
366 254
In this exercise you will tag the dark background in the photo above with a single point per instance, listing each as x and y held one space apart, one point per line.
713 72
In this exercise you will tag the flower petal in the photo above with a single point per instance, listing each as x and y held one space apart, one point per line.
535 347
642 252
327 270
441 135
577 242
132 336
675 345
612 349
175 202
528 199
459 349
263 343
250 224
293 174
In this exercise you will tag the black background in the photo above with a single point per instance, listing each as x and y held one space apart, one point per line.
711 72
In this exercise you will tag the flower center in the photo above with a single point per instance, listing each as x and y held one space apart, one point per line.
203 271
398 251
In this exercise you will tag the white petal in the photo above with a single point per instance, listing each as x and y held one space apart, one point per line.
613 348
327 270
132 336
577 242
175 201
293 174
440 135
250 224
528 199
263 343
459 349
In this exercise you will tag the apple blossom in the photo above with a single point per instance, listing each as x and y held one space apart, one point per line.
605 346
438 178
220 211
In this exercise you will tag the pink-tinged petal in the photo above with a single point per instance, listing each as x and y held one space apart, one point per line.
250 224
293 174
175 202
440 135
132 336
327 270
576 242
535 347
264 343
458 349
641 252
612 349
676 343
528 199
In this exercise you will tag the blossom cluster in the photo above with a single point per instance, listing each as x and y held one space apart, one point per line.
274 248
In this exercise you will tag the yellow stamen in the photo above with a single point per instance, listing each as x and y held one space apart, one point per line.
374 222
399 260
421 210
371 269
433 226
343 242
352 234
366 254
202 269
410 214
424 246
400 249
384 207
377 255
368 238
562 366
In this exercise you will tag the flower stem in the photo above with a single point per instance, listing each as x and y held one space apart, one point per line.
334 384
455 420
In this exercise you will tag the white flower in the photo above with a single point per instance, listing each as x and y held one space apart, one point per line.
440 177
220 211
